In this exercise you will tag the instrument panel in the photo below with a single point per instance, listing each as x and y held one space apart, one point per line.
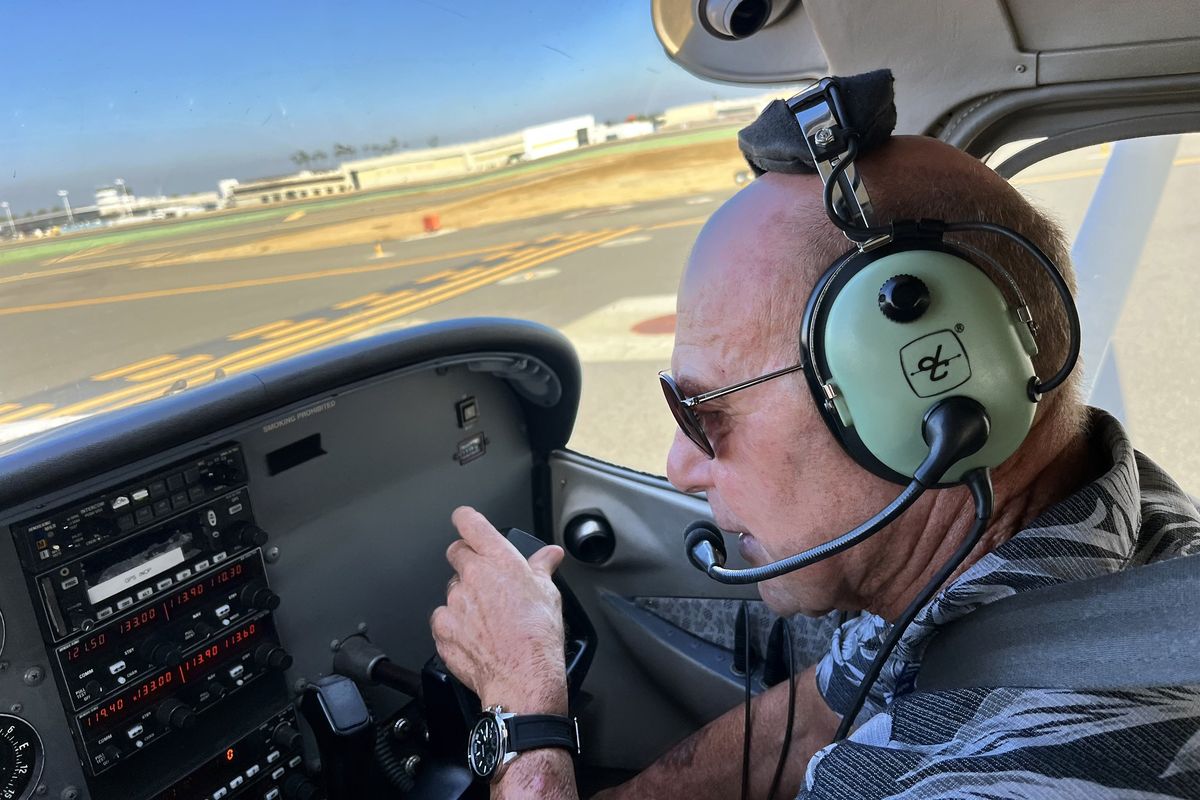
171 578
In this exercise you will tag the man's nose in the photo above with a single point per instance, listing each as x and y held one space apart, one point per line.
688 468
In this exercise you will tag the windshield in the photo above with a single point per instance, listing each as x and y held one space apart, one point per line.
191 194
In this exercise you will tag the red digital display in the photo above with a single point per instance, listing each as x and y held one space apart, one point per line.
144 617
89 645
218 649
134 699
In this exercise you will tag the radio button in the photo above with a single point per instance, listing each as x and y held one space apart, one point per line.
165 583
195 493
201 565
277 774
70 583
124 603
143 514
104 612
219 793
179 500
222 611
253 770
144 593
158 488
125 522
295 762
183 575
271 795
175 483
140 494
236 782
191 475
135 731
237 671
273 756
162 507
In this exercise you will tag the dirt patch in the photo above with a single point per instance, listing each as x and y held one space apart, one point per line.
596 183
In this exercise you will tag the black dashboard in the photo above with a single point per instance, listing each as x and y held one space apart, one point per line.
176 575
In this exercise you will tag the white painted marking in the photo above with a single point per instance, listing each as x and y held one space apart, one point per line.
697 201
616 209
606 334
628 240
433 235
531 275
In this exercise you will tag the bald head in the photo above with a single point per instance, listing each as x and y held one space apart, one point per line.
756 261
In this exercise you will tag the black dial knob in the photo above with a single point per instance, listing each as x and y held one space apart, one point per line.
162 652
221 473
202 629
272 656
287 737
111 753
257 596
247 534
175 714
297 787
903 298
93 688
216 690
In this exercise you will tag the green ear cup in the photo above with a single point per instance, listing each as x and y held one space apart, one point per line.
888 373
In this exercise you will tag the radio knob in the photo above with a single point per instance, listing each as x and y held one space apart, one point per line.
175 714
272 656
297 787
287 737
216 690
202 629
93 688
162 653
259 597
111 753
247 534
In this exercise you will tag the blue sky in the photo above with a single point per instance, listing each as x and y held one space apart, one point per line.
173 96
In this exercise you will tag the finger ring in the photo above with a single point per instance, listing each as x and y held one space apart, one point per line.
450 583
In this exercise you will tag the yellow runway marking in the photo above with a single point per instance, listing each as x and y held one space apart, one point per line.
4 407
125 370
26 413
436 276
337 329
358 301
387 298
243 284
679 223
308 324
292 217
167 369
261 329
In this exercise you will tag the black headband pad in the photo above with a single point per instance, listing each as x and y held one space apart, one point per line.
774 143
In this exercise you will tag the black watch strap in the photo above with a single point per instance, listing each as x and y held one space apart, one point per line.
535 731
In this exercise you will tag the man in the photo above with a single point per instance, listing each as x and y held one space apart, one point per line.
1073 502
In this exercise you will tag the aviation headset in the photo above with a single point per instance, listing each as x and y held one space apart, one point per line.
919 364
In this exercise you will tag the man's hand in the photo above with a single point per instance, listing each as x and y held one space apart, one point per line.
501 631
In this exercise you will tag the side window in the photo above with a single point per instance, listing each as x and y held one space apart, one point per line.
1129 211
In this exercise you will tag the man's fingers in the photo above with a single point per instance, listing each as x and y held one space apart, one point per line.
458 553
479 533
440 624
547 559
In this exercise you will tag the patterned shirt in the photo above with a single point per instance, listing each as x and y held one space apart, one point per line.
1001 743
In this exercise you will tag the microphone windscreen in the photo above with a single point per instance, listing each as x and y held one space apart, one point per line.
696 535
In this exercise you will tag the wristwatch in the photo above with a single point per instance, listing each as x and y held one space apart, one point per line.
499 737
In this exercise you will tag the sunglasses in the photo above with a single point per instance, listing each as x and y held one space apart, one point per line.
684 408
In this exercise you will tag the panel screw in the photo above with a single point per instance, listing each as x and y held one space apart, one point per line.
335 645
823 137
401 727
42 789
411 763
70 793
272 554
1021 67
3 666
16 708
362 627
33 676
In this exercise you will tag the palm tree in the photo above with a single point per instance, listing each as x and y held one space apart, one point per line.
300 158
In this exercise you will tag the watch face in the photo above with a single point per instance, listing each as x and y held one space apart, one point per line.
484 751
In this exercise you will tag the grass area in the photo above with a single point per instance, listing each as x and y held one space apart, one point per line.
74 243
